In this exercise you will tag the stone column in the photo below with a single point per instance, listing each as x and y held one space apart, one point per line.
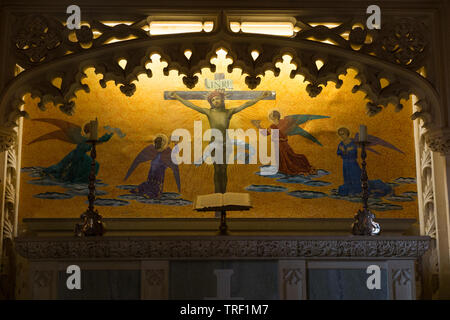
9 182
436 217
441 164
433 168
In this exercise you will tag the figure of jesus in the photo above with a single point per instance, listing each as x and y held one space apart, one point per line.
219 118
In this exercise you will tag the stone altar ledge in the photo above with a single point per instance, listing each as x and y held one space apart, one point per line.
209 226
222 247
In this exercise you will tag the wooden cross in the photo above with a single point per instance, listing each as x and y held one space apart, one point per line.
219 82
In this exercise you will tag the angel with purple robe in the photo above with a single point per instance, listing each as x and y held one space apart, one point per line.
348 151
160 156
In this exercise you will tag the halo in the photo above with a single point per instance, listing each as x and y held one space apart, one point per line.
345 128
87 124
225 93
270 112
165 140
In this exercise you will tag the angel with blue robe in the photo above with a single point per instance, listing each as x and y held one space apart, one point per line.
160 156
348 151
75 167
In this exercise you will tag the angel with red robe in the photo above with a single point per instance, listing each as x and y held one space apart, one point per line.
290 162
160 156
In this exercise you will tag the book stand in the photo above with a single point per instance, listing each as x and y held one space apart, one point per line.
223 227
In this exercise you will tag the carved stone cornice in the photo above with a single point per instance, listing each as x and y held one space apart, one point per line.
219 247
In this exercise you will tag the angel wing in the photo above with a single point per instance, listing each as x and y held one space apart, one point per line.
166 157
376 141
147 154
289 125
69 132
256 123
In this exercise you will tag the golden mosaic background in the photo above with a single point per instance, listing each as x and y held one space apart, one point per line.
146 113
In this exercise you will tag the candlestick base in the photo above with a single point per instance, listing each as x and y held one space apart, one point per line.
92 225
364 224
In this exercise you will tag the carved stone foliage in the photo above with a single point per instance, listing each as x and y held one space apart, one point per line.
292 276
334 65
10 195
439 141
9 213
401 276
39 39
66 248
7 138
154 277
42 278
402 41
47 51
428 192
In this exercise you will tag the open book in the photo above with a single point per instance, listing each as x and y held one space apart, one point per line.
223 201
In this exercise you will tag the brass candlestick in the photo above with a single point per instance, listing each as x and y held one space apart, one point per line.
364 223
92 222
223 228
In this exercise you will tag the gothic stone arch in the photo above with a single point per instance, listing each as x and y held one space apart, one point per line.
43 47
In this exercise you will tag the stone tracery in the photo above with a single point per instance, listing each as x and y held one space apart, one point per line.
45 49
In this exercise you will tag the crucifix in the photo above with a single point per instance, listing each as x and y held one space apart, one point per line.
219 117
